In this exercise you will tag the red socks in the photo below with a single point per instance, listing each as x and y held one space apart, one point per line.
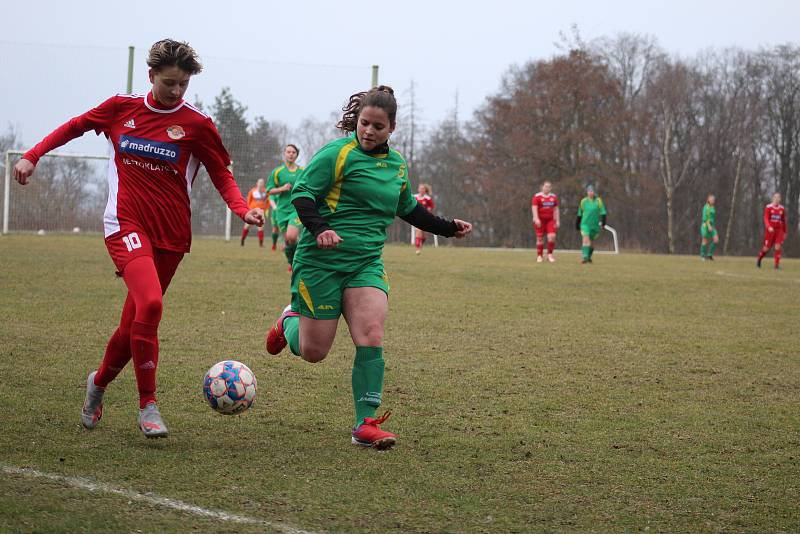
118 350
260 238
137 335
778 257
551 245
144 347
539 249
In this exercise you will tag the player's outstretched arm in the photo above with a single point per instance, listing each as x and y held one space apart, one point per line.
426 221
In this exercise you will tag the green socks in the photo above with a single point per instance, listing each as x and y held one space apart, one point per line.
703 250
274 239
712 246
367 381
291 331
591 251
288 250
585 250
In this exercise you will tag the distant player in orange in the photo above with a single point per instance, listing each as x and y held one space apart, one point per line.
256 198
546 220
424 198
774 230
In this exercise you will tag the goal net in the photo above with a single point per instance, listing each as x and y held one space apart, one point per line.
67 193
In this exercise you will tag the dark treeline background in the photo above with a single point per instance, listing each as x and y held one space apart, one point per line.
653 132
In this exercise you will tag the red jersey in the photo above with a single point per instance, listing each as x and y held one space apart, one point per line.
426 201
156 156
775 217
545 205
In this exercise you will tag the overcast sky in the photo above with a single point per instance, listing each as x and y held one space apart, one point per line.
287 60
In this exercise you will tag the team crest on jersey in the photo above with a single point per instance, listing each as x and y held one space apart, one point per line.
175 132
148 148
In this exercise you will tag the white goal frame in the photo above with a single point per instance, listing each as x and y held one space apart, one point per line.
435 237
7 185
614 237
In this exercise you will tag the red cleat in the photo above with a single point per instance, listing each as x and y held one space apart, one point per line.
369 434
276 341
273 246
288 268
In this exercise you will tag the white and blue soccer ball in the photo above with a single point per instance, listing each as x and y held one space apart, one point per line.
230 387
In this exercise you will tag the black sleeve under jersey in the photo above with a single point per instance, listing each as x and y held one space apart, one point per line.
309 215
426 221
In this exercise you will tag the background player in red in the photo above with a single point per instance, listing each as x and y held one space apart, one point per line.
546 220
257 197
423 197
158 142
774 229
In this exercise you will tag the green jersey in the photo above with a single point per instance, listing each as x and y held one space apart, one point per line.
590 211
359 194
282 176
709 216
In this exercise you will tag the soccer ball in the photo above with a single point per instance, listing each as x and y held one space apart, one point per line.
230 387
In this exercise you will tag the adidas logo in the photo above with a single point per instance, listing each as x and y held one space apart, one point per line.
150 364
130 124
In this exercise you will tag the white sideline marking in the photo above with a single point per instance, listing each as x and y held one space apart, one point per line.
149 498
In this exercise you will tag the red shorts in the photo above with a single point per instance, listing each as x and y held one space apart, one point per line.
548 226
774 238
130 244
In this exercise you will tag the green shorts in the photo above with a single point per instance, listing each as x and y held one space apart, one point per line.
317 292
591 232
286 219
705 233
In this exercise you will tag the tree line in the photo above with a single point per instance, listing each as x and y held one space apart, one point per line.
653 132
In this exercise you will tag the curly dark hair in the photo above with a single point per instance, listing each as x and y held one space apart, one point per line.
381 96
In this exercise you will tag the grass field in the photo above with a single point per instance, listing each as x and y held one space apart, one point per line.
640 392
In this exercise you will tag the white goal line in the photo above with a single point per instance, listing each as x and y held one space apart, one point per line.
148 498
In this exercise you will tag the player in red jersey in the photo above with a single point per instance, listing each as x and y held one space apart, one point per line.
546 220
774 230
158 141
257 197
424 198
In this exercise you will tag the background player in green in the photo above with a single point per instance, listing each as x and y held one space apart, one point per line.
282 179
708 230
591 219
348 195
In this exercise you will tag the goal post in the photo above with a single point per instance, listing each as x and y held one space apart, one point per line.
63 189
614 244
435 237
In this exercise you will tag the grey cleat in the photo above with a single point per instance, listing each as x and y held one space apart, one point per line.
150 422
92 410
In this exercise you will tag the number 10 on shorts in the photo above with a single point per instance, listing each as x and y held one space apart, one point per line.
132 241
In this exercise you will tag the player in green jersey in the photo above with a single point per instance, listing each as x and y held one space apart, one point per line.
348 195
708 230
281 179
591 219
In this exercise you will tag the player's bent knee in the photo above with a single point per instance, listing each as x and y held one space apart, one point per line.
150 310
313 354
